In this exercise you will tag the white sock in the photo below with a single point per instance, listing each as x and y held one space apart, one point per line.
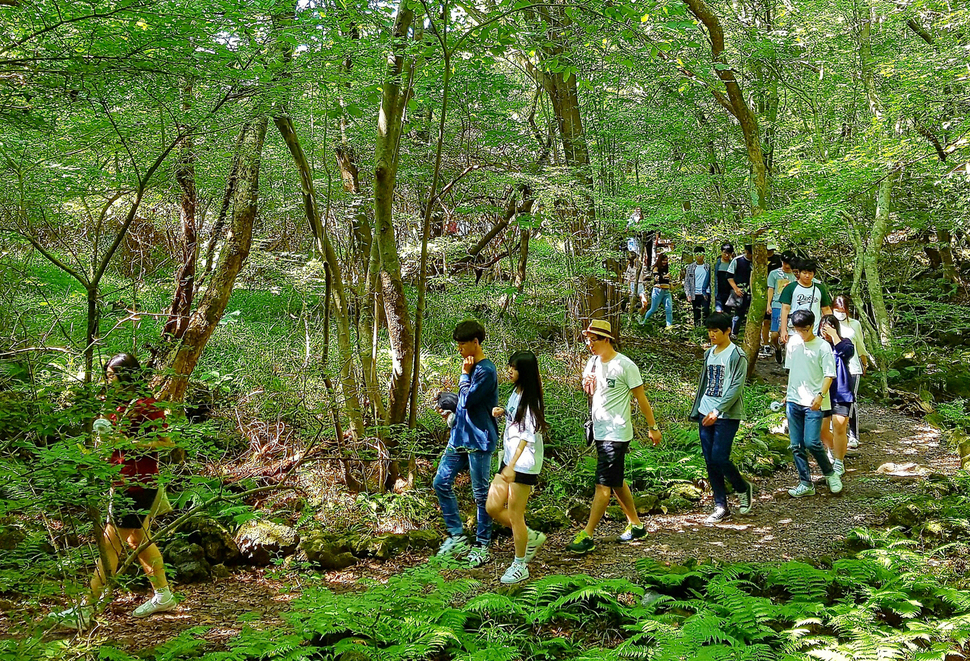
519 560
164 593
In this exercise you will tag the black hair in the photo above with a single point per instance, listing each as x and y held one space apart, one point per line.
808 265
469 330
802 318
718 320
843 302
788 258
831 320
124 366
748 247
656 263
530 387
699 249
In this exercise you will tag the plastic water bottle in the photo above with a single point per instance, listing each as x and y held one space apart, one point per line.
776 406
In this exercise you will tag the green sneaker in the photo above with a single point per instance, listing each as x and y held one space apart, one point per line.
633 532
582 544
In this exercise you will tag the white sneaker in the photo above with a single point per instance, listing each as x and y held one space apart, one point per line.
853 443
835 482
77 618
477 557
802 490
536 539
839 467
516 573
157 604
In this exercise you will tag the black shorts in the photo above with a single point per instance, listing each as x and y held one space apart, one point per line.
610 456
841 408
129 509
521 478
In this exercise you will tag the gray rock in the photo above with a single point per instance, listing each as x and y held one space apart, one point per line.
260 542
220 571
215 540
579 513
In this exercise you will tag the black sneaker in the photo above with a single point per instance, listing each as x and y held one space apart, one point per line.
720 514
582 544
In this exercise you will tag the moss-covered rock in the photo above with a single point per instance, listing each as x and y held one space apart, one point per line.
186 561
646 503
675 505
684 491
547 519
260 542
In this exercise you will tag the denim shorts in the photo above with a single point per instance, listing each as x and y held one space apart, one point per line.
775 320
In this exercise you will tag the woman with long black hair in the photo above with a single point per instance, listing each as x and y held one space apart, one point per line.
521 461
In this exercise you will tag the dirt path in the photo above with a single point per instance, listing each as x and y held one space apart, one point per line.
779 528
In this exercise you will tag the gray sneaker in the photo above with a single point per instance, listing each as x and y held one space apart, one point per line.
720 514
834 482
746 499
477 557
456 545
802 490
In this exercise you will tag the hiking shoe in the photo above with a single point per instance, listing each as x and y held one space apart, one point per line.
516 573
765 351
802 490
456 545
720 514
839 467
853 443
536 539
477 557
834 482
778 357
582 544
632 532
746 499
157 604
76 619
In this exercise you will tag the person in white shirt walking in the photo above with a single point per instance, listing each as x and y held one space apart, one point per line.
521 461
811 371
612 380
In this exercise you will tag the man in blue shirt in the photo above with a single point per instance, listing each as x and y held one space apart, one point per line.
474 435
697 286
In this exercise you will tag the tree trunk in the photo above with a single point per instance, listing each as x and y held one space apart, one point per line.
396 92
946 257
877 236
185 279
177 364
759 303
520 272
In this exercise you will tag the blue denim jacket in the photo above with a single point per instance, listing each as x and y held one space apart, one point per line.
475 429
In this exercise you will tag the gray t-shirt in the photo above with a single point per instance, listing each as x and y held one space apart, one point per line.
612 418
717 374
779 280
808 363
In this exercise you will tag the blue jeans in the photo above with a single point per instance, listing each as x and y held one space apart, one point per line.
716 442
661 296
805 432
479 467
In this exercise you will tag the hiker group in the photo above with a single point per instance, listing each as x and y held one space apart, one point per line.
813 335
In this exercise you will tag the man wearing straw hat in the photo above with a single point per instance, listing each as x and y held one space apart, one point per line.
612 380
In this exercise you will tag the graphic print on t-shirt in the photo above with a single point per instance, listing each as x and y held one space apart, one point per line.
715 381
804 301
611 383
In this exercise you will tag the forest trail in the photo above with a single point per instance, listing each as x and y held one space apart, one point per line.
779 528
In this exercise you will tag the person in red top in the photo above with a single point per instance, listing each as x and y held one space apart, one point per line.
137 429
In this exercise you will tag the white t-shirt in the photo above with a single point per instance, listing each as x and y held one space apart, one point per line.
612 419
717 366
808 363
530 461
847 330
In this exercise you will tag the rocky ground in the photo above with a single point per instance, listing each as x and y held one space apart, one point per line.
779 528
